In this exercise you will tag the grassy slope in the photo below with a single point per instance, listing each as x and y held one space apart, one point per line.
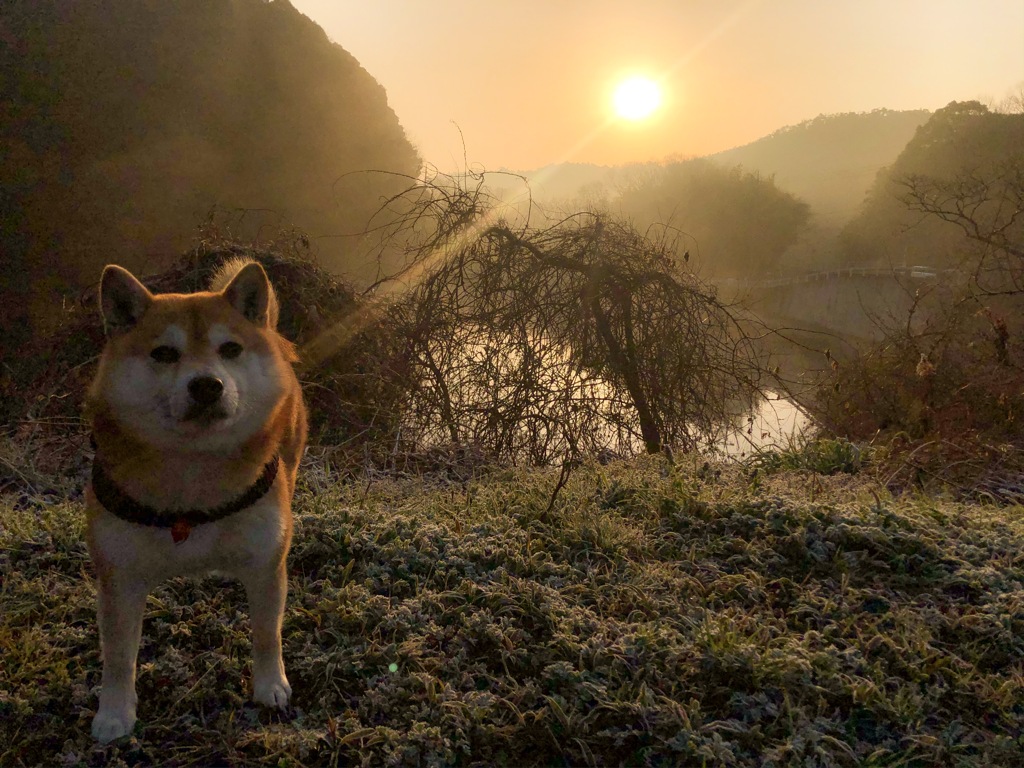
653 618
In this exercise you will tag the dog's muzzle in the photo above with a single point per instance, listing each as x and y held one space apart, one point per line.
205 392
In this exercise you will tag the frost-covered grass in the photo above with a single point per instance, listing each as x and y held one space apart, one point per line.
654 616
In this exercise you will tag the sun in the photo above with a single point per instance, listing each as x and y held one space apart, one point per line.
636 98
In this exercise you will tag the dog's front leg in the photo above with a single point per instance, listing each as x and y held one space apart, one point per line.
121 605
266 590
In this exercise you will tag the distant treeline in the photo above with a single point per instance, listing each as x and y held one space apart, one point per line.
732 222
830 161
774 205
835 191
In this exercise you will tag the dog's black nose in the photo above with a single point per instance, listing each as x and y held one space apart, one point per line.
205 390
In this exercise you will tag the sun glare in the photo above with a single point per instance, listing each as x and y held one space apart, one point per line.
636 98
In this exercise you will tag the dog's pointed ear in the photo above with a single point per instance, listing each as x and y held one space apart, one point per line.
251 294
123 299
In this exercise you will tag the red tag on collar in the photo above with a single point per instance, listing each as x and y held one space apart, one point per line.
180 530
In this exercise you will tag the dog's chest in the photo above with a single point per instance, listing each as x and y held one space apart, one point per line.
238 544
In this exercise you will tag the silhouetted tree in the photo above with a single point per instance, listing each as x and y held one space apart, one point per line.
987 205
546 344
949 374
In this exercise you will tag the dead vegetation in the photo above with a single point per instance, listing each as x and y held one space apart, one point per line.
480 336
941 397
553 345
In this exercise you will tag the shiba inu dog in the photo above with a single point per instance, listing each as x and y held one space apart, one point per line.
199 424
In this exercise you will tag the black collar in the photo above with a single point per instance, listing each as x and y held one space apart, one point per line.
120 504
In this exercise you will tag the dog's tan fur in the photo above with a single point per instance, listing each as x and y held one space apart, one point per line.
161 457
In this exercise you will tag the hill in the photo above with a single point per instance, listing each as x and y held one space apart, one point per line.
123 122
736 223
965 156
832 160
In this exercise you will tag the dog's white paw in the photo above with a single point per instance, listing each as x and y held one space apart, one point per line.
110 725
272 692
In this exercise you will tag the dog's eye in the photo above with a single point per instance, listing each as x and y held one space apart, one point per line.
230 349
165 354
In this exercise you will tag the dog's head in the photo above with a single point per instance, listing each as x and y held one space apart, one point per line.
191 371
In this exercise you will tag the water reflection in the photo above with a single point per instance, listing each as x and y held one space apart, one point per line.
775 422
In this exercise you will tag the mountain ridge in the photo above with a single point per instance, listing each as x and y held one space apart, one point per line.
830 161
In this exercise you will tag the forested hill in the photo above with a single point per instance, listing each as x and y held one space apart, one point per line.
830 161
122 122
965 167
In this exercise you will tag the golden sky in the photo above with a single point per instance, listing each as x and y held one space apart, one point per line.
529 82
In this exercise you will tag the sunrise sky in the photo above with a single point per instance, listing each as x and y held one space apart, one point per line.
530 82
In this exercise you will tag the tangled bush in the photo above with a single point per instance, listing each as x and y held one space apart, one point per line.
946 400
546 345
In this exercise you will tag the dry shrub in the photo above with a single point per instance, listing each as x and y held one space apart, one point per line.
546 345
538 341
946 400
